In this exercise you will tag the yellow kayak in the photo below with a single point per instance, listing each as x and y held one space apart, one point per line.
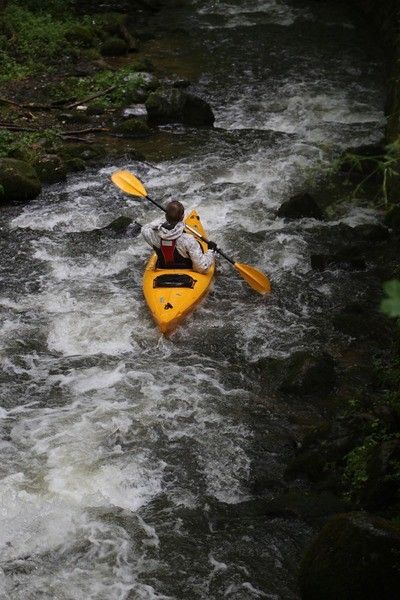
171 294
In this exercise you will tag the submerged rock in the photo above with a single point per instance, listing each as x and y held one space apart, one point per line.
169 105
299 207
19 181
119 225
355 556
308 374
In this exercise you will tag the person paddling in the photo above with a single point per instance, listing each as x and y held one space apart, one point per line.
174 247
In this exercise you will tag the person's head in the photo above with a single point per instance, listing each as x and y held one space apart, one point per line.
174 212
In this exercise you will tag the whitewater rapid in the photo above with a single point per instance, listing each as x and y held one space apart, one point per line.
119 447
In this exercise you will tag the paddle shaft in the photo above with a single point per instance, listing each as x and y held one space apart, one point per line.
196 233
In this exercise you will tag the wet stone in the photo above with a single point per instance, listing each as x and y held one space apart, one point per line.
356 556
299 207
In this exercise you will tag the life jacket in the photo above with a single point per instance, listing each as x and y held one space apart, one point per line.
169 257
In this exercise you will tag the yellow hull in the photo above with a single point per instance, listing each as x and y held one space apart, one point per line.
170 305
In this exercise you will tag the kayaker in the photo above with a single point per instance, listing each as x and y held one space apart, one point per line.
173 246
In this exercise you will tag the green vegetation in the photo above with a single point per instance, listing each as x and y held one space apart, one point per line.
36 36
127 86
378 169
391 305
26 146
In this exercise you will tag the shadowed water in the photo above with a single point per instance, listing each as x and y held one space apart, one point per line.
123 453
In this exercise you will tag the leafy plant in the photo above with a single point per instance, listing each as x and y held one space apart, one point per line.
391 305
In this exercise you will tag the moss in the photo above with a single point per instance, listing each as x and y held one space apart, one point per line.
19 180
114 46
133 128
75 164
50 168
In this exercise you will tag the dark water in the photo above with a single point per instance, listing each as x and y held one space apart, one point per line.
125 456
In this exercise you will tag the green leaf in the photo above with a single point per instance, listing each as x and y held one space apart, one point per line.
391 305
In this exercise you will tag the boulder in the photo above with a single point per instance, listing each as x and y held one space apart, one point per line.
169 105
347 260
309 374
50 168
132 127
299 207
19 181
372 232
356 556
75 165
392 219
114 46
120 225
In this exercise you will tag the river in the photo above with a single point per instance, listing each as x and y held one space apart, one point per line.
124 454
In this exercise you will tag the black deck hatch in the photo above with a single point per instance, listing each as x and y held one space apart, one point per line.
174 281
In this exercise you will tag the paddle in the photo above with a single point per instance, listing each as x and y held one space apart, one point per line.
131 185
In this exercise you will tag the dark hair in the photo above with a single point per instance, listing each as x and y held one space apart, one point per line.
174 212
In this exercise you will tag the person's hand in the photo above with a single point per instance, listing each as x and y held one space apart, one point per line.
212 245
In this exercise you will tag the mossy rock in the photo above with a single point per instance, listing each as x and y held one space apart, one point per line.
133 128
82 35
19 180
50 168
168 105
356 556
114 46
75 165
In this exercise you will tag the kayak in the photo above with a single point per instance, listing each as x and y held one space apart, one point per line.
171 294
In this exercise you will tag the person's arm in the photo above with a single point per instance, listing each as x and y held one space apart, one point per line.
149 232
201 261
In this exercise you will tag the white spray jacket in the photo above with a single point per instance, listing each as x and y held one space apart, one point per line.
186 244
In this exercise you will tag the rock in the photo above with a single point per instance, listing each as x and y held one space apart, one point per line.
346 260
356 556
133 128
372 232
114 46
392 219
169 105
308 374
75 164
119 225
19 181
303 505
138 111
299 207
50 169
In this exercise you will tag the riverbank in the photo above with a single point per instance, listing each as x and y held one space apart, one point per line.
355 454
77 89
